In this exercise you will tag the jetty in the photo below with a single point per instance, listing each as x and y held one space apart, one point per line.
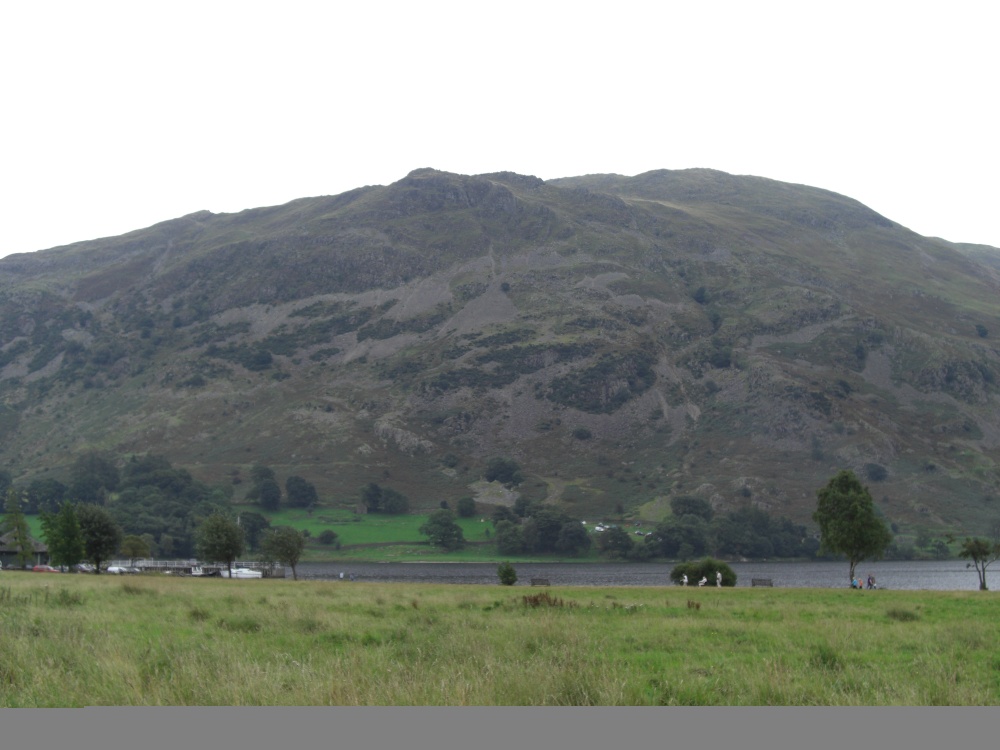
196 568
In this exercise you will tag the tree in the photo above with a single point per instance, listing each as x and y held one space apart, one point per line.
509 538
383 500
102 537
252 524
506 574
92 476
982 554
615 542
300 493
270 494
63 536
220 539
45 495
134 547
441 529
466 507
847 521
503 470
573 538
284 544
15 525
685 505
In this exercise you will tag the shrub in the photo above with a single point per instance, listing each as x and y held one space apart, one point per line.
876 472
707 568
327 536
507 574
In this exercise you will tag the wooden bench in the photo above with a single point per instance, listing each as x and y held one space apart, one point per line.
539 581
761 582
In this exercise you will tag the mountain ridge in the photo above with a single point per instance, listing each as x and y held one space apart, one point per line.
626 339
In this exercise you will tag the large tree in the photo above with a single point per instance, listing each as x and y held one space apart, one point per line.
847 521
252 524
442 531
300 493
220 539
63 536
102 537
982 554
284 544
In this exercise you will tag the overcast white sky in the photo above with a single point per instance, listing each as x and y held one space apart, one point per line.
117 115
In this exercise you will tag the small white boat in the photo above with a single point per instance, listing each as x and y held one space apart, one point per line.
243 573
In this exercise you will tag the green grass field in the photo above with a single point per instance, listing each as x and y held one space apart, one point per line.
74 640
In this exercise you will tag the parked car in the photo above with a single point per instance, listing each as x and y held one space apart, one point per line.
45 569
116 570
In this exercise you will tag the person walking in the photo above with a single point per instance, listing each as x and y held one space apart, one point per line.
718 579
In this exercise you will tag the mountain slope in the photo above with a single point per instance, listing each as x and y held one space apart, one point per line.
625 339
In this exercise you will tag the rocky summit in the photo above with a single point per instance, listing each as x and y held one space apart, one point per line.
624 340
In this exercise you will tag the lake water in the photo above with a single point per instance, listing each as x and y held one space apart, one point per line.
946 575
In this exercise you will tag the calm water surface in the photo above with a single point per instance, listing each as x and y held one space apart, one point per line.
947 575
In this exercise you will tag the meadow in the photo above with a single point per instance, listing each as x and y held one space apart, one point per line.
78 640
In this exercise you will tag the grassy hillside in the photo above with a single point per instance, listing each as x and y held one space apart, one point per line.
623 339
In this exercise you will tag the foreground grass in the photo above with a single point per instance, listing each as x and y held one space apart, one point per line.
94 640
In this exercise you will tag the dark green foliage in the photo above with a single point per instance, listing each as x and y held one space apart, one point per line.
92 477
573 538
14 524
687 505
606 385
615 543
327 537
848 522
509 538
269 494
506 574
549 529
504 513
704 568
503 470
982 331
134 547
982 553
285 545
582 433
876 472
300 493
102 537
62 535
383 500
220 539
163 502
752 532
253 524
442 531
680 537
466 507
